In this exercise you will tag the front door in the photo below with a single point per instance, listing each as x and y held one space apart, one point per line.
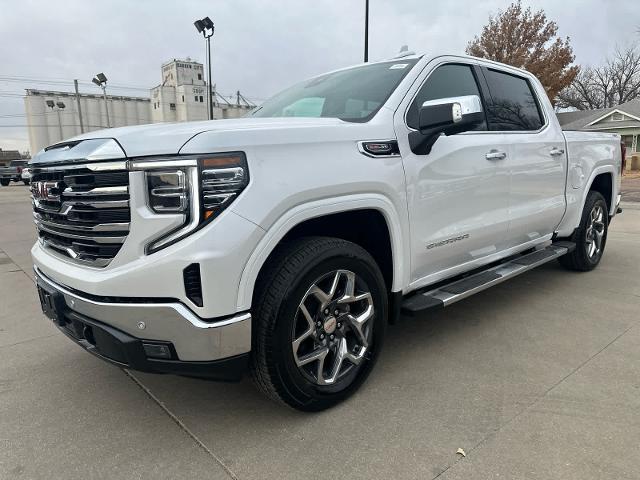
458 194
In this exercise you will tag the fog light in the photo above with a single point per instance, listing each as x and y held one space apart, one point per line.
157 350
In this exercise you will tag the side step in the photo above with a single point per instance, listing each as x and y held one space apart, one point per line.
457 290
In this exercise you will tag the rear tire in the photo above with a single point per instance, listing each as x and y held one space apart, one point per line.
590 237
5 182
26 182
318 299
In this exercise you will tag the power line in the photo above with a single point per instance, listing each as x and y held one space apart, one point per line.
117 86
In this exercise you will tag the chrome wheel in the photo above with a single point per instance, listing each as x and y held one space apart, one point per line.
595 232
332 330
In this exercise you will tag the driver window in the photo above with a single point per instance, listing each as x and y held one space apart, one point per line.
450 80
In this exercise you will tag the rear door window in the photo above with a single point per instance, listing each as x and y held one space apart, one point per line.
513 105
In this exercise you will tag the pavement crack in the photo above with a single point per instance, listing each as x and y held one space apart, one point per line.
181 424
28 340
527 408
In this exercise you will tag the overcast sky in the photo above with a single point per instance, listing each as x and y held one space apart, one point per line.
259 47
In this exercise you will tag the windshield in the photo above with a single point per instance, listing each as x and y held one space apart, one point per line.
354 95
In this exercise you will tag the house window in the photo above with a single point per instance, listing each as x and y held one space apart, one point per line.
617 117
183 98
628 141
172 106
199 76
201 99
196 98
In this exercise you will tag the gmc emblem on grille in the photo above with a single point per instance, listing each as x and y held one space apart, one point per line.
47 191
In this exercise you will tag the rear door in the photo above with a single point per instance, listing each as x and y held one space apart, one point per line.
537 157
458 197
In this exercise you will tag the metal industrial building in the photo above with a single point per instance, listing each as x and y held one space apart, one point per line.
48 125
53 116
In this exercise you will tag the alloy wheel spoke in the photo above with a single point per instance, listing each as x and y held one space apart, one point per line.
334 284
320 369
318 354
598 235
358 322
307 333
341 352
320 295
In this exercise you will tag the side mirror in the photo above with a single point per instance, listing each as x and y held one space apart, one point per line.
445 115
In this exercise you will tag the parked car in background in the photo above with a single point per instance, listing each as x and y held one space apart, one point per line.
283 243
26 175
12 172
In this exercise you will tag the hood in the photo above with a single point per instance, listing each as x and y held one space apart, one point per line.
169 138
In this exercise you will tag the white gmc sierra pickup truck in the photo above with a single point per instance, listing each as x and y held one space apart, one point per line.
284 243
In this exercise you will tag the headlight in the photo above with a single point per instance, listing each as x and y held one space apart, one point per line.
168 191
197 187
222 178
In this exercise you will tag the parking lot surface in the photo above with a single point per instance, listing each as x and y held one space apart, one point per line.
536 378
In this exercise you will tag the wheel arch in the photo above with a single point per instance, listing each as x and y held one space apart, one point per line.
603 183
576 198
312 218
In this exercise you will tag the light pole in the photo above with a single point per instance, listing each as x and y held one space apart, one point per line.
206 28
366 31
101 81
51 104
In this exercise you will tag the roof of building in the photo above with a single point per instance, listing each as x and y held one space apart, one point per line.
597 119
8 155
32 92
186 60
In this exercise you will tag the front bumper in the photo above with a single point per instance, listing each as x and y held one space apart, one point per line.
116 329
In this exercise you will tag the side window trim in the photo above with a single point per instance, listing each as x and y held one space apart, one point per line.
485 94
534 92
480 83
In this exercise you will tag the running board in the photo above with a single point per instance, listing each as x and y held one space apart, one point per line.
452 292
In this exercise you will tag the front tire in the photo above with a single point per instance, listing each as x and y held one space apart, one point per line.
590 237
5 182
320 315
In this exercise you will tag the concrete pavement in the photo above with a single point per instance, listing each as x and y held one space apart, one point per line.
535 378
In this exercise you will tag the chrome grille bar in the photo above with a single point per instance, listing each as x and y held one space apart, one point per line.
81 211
101 227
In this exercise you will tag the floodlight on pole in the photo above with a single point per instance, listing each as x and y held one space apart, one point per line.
101 80
206 27
61 106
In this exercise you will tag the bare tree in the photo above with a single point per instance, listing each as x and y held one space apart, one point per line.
615 82
528 40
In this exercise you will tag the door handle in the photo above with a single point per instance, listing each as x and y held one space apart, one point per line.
556 152
495 155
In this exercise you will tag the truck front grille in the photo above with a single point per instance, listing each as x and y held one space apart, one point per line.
82 211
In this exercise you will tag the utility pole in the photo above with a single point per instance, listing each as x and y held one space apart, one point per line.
75 84
366 31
